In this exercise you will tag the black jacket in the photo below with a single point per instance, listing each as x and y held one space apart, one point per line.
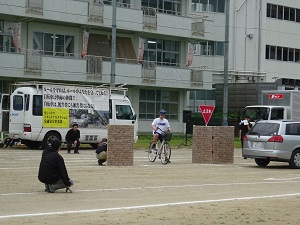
52 168
101 148
72 136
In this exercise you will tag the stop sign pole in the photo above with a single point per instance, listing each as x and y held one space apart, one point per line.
207 111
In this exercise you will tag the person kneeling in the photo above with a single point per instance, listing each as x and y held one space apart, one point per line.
101 152
52 170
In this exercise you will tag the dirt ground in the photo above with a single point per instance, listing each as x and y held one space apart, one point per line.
149 193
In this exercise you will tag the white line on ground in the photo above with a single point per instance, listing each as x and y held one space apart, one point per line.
145 206
164 187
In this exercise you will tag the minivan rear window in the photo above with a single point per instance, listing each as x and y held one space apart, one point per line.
265 129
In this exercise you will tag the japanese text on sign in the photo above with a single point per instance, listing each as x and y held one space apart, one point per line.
75 97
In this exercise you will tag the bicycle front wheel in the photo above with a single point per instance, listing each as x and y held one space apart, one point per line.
152 153
165 153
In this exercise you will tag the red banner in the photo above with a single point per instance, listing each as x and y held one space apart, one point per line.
190 55
141 49
85 43
16 33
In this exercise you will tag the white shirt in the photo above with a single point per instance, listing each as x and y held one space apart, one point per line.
162 124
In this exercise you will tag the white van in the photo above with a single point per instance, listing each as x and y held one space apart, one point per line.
40 112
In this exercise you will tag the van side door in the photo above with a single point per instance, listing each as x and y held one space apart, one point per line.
4 112
17 114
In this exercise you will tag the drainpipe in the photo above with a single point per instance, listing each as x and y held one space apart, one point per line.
259 38
235 31
246 35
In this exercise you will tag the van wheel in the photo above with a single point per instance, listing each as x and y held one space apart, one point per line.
295 160
50 137
262 162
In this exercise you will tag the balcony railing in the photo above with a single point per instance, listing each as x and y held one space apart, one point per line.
94 67
33 62
148 72
196 77
34 7
198 27
149 17
96 9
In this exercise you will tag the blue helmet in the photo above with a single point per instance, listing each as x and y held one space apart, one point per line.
162 112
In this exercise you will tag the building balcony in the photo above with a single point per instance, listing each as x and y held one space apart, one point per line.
32 64
95 13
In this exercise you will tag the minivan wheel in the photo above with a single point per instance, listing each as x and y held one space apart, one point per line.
295 160
262 162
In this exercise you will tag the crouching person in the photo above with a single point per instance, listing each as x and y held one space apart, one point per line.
101 152
52 171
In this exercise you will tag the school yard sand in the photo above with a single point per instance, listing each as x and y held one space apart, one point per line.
149 193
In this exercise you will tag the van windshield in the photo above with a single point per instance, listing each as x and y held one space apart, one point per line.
124 112
257 113
265 129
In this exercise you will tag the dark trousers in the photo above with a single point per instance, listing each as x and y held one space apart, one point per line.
69 145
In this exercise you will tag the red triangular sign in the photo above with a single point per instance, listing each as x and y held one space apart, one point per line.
207 111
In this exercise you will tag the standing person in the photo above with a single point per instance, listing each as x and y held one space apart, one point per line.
159 126
52 170
72 138
244 127
101 152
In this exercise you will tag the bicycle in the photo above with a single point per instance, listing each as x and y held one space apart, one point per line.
163 151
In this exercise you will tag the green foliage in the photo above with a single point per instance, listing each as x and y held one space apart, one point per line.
219 115
177 139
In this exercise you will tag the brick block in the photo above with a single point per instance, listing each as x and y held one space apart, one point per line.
213 144
202 144
223 144
120 142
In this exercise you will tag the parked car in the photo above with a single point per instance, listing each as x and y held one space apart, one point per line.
273 140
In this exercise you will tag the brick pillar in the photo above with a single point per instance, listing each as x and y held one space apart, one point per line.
223 144
120 141
202 144
213 144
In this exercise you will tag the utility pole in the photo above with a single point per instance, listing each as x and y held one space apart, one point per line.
226 54
113 45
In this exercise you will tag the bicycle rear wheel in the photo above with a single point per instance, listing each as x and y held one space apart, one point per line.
152 153
165 153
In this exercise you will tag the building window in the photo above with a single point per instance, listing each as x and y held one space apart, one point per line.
208 6
279 53
291 54
151 101
164 6
54 44
274 11
283 13
298 15
163 52
280 12
286 13
6 41
282 53
208 48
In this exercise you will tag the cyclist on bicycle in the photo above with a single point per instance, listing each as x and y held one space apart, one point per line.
159 126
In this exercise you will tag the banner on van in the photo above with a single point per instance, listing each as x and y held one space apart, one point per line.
66 105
